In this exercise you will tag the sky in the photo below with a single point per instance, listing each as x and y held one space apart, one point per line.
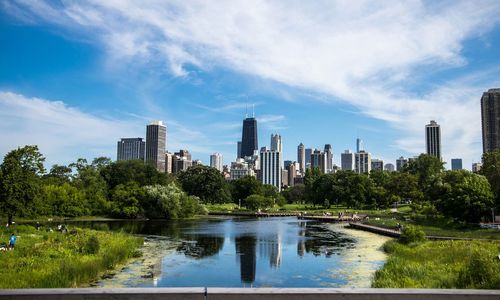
76 76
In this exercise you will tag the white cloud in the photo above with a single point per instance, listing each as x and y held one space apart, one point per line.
63 133
363 53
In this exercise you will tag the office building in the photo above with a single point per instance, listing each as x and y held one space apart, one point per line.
401 162
292 173
363 162
359 145
276 143
318 160
377 164
249 141
433 139
456 164
476 167
217 161
270 167
329 158
156 142
308 153
240 168
131 149
238 153
301 158
347 160
389 167
284 177
490 114
169 162
181 161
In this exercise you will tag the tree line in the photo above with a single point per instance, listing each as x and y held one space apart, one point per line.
134 189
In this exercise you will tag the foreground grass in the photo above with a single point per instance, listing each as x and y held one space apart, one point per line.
56 260
442 264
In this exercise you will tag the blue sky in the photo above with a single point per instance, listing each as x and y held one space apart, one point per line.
75 76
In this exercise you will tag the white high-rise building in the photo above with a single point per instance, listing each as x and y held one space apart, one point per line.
363 162
276 143
217 161
347 160
301 158
270 167
433 139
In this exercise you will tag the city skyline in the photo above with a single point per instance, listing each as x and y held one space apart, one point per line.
74 81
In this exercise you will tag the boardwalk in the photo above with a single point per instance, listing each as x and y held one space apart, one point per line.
327 219
253 214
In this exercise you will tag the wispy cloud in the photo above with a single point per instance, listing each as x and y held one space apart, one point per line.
367 54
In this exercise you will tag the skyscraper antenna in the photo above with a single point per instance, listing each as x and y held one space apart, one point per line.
246 111
253 110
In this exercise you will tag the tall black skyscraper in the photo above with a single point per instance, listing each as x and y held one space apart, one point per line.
249 142
490 114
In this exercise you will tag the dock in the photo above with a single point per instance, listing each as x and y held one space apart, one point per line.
253 214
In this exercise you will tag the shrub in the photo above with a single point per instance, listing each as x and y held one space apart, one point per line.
479 271
92 245
411 234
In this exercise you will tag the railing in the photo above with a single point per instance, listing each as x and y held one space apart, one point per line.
248 294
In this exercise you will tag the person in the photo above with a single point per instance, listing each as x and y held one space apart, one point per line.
12 241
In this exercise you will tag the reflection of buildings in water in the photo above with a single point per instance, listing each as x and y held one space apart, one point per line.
301 244
272 248
201 246
245 251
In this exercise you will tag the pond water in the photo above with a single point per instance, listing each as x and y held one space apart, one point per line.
249 252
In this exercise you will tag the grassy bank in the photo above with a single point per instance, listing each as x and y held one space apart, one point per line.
442 264
44 259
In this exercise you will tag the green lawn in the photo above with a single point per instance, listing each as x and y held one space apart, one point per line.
440 264
44 259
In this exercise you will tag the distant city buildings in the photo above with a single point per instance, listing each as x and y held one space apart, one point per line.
490 116
328 158
318 161
433 139
401 162
270 167
456 164
181 161
131 149
476 167
291 173
308 153
217 161
363 162
347 160
359 145
240 168
301 158
249 139
377 164
389 167
156 142
276 144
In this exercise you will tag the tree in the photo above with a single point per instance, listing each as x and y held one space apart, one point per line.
294 194
207 183
257 202
89 180
170 202
310 177
404 187
64 200
126 200
58 175
463 195
426 168
244 187
124 171
20 183
491 170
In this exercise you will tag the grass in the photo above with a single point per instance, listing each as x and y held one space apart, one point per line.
44 259
441 264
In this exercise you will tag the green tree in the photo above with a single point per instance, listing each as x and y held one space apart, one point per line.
126 200
170 202
309 178
89 180
244 187
64 200
491 170
20 183
426 168
403 187
207 183
124 171
294 194
58 174
463 195
257 202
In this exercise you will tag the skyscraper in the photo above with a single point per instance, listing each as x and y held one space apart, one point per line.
301 158
130 149
433 139
329 158
401 162
249 142
456 164
359 145
276 143
308 152
363 162
318 160
377 164
216 161
490 114
270 167
156 142
238 155
347 160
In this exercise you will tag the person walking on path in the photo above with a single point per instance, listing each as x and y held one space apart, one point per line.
12 241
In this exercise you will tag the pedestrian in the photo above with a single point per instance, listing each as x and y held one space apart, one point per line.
12 241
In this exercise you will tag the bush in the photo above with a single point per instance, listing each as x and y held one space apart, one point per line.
411 234
92 245
480 271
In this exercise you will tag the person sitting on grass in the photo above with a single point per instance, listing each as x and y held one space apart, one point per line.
12 241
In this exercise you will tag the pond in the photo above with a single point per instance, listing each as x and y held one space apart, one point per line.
248 252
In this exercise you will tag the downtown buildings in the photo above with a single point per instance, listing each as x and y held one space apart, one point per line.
490 115
130 149
433 139
156 142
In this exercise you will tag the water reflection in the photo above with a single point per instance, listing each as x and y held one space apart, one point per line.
279 252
